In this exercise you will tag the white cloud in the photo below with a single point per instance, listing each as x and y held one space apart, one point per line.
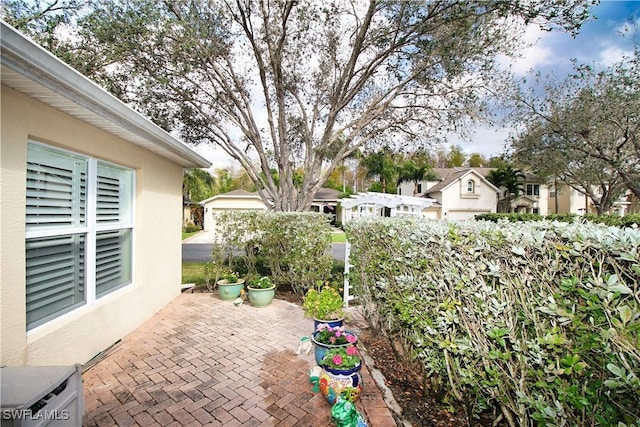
611 55
485 140
535 55
215 155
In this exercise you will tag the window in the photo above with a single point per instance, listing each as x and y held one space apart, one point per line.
79 225
533 189
419 189
471 185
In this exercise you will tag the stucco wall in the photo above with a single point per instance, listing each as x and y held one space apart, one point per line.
223 203
78 336
457 205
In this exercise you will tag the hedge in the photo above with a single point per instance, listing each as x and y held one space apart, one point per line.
536 321
295 247
610 219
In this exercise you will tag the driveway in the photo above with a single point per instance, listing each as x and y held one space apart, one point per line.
204 361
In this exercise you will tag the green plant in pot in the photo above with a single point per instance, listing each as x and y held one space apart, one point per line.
230 286
340 377
261 291
324 306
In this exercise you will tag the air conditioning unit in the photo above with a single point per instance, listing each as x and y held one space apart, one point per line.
37 396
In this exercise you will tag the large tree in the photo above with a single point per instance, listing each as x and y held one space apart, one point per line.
300 85
584 131
197 184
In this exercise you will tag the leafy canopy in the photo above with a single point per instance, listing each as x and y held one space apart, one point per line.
301 85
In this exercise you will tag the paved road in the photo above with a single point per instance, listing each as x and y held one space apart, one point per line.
199 247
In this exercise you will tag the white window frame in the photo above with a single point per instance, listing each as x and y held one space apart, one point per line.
471 186
90 229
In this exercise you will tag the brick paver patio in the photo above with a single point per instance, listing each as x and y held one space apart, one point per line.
203 361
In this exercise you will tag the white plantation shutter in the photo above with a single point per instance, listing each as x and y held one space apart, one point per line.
56 189
113 211
55 276
113 194
113 260
75 206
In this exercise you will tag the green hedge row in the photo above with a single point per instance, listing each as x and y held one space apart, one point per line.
614 220
294 247
539 322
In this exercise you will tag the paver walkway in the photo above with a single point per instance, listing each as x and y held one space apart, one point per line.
203 361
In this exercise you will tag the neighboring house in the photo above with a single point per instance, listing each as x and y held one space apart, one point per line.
461 193
233 200
192 213
91 211
570 200
326 201
534 199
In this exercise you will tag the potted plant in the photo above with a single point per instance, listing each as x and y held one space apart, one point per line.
230 286
324 306
327 337
340 377
261 291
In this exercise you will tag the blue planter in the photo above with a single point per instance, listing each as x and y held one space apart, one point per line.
332 323
343 383
320 348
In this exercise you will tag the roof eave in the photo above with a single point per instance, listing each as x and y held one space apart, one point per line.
41 75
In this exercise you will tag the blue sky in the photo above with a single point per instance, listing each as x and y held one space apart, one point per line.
598 44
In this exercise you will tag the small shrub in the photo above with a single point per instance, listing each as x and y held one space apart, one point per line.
295 247
191 228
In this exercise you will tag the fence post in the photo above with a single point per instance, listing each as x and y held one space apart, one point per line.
346 297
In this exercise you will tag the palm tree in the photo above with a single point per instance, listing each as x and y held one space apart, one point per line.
410 172
197 184
509 179
380 165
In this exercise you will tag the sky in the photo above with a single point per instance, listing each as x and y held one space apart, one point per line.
598 44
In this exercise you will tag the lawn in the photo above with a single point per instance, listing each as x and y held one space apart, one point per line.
338 237
193 272
185 234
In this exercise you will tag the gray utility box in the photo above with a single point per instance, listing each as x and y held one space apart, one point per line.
41 396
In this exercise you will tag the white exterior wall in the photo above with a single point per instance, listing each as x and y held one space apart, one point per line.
78 336
578 202
458 204
223 203
543 200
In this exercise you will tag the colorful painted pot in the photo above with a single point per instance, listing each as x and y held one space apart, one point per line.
341 383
